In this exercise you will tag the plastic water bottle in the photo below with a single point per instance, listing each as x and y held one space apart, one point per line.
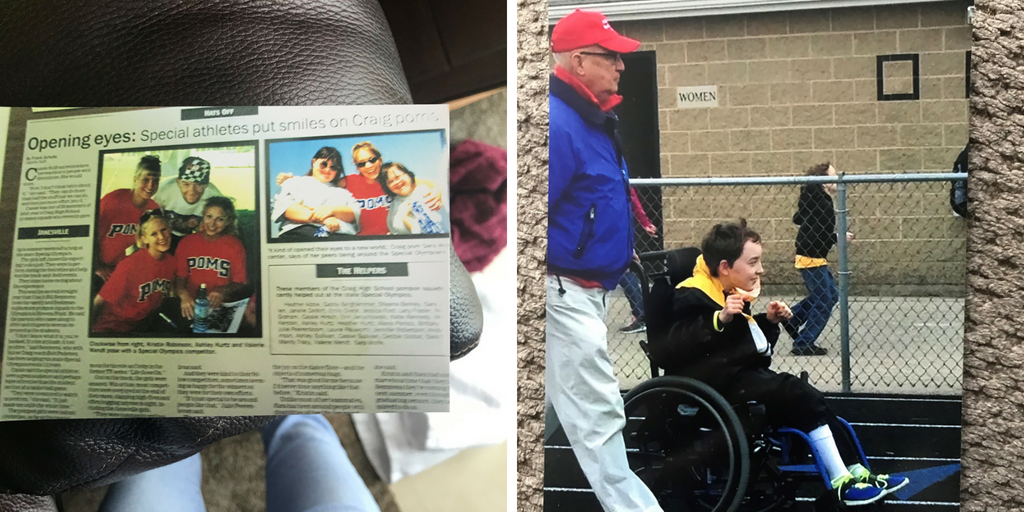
201 310
427 224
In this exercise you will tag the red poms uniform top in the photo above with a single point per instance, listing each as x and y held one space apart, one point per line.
374 202
215 263
134 290
118 224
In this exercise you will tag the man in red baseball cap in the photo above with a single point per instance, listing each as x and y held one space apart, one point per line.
590 245
588 50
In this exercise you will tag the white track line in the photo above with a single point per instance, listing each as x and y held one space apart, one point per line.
926 425
870 457
943 400
628 450
924 503
922 459
798 498
901 502
641 418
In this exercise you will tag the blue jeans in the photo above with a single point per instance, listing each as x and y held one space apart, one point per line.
307 470
811 314
630 284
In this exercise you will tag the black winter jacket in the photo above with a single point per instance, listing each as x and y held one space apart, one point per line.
817 220
695 349
958 192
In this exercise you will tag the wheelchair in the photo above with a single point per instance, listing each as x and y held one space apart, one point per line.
696 451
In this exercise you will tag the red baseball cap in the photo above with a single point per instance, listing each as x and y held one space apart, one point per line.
585 28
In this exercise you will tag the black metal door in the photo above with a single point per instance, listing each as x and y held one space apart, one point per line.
638 115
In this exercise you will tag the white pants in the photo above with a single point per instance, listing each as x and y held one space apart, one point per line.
582 388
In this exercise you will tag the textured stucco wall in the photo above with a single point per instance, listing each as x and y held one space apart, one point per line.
993 430
799 88
532 154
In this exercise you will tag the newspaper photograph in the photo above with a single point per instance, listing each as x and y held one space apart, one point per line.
161 242
225 261
382 196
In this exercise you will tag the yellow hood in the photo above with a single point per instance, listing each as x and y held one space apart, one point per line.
712 287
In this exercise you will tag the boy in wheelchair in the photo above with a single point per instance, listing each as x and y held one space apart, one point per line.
714 339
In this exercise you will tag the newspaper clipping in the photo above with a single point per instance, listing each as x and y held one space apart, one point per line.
229 261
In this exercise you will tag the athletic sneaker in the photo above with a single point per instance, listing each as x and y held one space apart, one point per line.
812 350
853 493
887 483
635 327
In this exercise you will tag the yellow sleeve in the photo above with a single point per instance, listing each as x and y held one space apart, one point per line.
714 322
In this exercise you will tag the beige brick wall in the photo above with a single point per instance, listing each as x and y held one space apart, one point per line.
799 88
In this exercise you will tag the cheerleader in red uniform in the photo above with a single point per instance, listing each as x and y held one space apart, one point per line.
119 215
214 256
140 282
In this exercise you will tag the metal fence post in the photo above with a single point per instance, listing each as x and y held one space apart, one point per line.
844 279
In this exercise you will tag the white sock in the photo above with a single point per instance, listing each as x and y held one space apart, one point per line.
825 445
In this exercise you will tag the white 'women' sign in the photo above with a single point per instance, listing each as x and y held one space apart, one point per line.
701 96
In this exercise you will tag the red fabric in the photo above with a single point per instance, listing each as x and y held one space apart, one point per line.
118 223
134 290
582 90
638 210
479 214
586 28
215 263
585 283
373 219
582 282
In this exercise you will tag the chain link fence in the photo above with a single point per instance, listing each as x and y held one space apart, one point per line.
897 324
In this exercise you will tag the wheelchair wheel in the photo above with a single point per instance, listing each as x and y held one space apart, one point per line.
687 444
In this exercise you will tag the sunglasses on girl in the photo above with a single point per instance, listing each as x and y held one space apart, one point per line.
371 161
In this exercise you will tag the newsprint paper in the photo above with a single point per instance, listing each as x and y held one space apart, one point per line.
319 237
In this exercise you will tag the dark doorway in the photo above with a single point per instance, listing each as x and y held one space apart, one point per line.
638 115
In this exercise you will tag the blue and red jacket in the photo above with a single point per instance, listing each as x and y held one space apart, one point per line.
590 223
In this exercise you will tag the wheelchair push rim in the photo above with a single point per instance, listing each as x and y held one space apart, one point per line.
687 444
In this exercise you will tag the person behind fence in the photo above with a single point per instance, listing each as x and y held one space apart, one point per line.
958 189
715 339
630 283
816 216
590 244
138 285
